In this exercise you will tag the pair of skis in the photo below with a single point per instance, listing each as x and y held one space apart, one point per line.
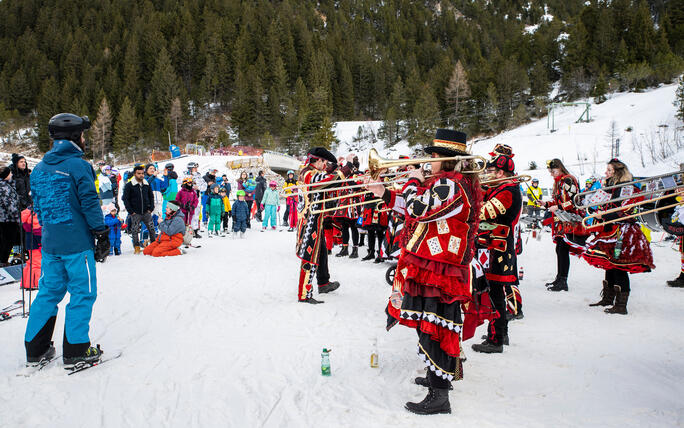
6 312
29 371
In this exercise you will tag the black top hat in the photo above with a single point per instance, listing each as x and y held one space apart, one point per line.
448 142
322 153
502 149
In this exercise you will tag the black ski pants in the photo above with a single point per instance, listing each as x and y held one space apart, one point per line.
498 328
346 224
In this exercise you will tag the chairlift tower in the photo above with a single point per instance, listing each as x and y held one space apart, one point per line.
551 118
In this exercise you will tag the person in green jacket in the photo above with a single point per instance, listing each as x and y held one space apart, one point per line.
215 208
269 204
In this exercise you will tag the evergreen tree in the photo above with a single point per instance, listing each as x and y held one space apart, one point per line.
164 87
21 97
125 128
425 118
48 106
679 100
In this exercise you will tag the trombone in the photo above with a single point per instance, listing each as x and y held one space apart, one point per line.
629 207
376 164
676 176
524 178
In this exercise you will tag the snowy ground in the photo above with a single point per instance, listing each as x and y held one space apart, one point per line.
216 338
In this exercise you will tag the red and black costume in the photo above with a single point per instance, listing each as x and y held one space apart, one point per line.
496 246
434 270
346 217
568 237
375 221
311 245
619 248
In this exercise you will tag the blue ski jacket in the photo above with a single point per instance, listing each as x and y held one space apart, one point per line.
65 199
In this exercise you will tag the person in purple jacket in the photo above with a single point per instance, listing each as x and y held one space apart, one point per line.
187 200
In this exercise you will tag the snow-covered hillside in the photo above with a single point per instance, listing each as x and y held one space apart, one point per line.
644 123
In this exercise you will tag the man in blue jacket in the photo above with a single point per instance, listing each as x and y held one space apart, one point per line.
67 205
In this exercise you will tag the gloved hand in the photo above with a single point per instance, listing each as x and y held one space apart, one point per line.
101 244
278 208
262 207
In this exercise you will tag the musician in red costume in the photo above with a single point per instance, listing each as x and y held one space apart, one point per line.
496 242
569 238
311 247
434 266
619 248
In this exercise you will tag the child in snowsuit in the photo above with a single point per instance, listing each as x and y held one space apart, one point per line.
240 214
33 234
113 221
187 199
215 210
226 209
270 205
171 232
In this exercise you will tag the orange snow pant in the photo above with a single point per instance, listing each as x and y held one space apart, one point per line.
31 274
165 245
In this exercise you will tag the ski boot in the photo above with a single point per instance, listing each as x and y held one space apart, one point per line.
117 251
42 358
368 256
607 295
312 301
487 347
677 282
436 402
91 356
242 235
327 288
355 253
196 234
343 252
561 285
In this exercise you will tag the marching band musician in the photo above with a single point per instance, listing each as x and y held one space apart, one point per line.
619 248
311 248
346 217
433 275
568 237
499 217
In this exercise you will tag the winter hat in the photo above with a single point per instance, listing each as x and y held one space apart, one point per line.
214 186
240 193
273 184
502 162
187 181
250 175
16 158
110 207
173 206
4 172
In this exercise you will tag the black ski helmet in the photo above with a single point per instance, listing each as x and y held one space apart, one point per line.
67 126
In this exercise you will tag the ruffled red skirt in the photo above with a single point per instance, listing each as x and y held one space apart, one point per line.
635 255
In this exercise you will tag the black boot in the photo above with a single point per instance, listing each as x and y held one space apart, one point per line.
327 288
505 339
117 251
677 282
561 285
378 259
423 381
90 356
45 356
552 283
312 301
344 252
607 295
368 256
620 306
355 253
436 402
488 347
197 235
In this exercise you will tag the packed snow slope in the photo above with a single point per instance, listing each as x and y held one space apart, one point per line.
216 338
